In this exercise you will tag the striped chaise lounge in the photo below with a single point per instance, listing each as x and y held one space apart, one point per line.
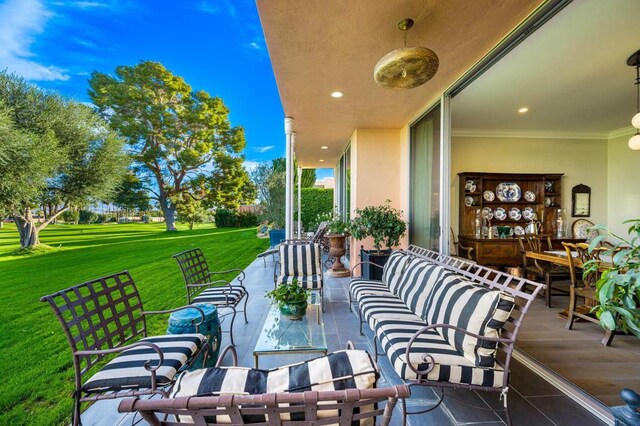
105 316
203 287
443 321
300 261
338 388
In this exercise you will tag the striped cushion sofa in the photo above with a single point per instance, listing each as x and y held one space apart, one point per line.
445 321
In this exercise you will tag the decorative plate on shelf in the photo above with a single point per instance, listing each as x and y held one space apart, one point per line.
514 213
508 192
547 201
580 229
468 201
500 213
488 195
529 196
468 185
548 186
487 213
518 230
528 213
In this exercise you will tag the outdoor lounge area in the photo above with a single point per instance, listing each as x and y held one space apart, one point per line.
532 400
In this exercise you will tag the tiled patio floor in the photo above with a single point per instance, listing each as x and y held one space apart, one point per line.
532 400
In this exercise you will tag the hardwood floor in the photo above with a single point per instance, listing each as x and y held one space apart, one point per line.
577 354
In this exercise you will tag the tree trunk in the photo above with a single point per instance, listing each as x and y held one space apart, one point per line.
169 212
27 229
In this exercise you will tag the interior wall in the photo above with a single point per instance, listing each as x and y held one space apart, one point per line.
376 173
583 161
622 184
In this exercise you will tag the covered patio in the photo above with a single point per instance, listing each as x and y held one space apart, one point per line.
532 400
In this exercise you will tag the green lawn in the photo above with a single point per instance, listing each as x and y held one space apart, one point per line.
35 360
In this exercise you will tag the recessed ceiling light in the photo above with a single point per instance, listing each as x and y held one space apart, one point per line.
322 161
324 147
337 94
523 110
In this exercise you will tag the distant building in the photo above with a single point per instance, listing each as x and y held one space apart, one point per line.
326 183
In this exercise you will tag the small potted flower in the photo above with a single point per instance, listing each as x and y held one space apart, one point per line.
291 298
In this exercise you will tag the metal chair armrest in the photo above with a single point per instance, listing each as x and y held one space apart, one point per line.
223 353
241 274
147 364
364 262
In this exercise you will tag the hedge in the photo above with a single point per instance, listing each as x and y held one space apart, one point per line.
314 201
232 219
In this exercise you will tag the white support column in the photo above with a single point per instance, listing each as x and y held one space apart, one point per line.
290 140
299 202
445 172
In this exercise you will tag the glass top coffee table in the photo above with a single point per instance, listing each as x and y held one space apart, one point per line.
282 336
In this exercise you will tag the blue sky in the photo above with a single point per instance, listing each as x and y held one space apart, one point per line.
215 45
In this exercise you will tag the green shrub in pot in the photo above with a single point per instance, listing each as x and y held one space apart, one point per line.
383 223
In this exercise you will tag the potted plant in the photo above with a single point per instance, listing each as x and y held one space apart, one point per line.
618 289
385 225
337 232
291 298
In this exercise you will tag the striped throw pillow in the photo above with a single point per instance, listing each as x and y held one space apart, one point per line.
472 307
336 371
394 267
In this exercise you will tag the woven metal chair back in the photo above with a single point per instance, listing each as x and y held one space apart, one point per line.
194 269
104 313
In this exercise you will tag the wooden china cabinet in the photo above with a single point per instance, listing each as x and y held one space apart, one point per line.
502 193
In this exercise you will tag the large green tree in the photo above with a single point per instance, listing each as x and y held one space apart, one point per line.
53 152
174 133
131 194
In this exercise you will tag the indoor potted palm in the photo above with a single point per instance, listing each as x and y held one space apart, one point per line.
618 288
385 225
291 299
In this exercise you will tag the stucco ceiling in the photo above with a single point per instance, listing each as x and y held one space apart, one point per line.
317 47
571 74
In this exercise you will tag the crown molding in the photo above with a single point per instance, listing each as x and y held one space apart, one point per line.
623 131
532 134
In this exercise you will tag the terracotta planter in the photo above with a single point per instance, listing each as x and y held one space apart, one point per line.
336 251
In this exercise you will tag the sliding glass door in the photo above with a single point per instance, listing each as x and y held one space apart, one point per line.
424 208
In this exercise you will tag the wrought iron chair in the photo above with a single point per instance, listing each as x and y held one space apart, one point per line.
318 237
302 262
105 316
540 270
346 395
202 287
585 287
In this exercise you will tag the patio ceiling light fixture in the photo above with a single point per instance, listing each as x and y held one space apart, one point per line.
634 61
337 94
407 67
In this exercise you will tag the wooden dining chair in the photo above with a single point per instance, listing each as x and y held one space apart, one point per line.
457 249
584 285
540 270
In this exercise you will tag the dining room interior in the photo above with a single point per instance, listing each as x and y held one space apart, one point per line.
540 145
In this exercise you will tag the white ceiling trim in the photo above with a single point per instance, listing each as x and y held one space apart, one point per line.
532 134
623 131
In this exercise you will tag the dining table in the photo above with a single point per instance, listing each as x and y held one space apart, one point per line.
559 257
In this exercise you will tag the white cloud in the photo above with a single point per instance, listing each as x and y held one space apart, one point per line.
21 21
263 148
87 4
223 6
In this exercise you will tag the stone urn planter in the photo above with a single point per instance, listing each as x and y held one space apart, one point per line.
337 250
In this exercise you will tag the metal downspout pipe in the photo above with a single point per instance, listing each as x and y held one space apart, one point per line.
290 141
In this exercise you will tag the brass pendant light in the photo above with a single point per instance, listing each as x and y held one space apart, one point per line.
407 67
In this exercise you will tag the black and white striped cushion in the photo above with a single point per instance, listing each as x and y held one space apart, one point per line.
310 282
127 371
449 365
336 371
471 307
298 260
374 306
394 268
358 287
220 295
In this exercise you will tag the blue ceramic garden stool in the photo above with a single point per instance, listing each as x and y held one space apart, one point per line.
182 322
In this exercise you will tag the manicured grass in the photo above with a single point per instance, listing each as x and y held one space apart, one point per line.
35 360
